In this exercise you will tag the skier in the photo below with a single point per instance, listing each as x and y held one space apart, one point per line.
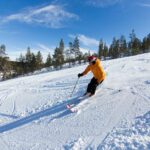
98 72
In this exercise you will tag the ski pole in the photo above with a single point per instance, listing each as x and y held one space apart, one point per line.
74 87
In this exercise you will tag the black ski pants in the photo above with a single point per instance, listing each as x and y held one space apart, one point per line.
93 85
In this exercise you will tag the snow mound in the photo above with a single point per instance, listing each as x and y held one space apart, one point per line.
135 137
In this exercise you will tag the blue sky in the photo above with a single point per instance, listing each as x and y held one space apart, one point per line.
41 24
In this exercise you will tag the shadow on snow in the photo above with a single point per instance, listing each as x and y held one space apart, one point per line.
48 112
9 116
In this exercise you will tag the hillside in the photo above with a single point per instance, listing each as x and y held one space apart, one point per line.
33 113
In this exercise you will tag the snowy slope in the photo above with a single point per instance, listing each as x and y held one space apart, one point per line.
33 114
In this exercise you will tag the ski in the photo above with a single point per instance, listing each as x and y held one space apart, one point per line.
79 100
78 106
69 105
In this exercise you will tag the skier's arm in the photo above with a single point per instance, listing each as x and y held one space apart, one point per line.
86 70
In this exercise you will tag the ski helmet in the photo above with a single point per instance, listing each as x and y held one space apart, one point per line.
91 58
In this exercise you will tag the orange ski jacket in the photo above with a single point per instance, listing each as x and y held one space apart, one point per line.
97 71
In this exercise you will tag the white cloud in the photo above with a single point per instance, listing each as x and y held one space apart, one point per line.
144 5
86 50
52 16
39 47
102 3
13 55
45 48
86 40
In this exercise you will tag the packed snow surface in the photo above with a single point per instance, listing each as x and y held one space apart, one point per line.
33 113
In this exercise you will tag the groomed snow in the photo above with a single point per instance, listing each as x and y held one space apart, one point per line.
33 113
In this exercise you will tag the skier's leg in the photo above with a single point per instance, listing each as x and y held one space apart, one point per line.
94 86
90 85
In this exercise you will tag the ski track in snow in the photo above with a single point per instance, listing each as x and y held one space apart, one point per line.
33 113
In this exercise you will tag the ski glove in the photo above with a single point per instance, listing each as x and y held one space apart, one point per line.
80 75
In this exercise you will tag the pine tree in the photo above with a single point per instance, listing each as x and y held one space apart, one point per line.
33 62
110 53
145 44
134 44
28 60
101 49
28 55
39 60
2 57
6 69
132 36
125 49
61 45
115 48
148 41
76 48
105 52
72 54
2 50
80 57
57 58
68 54
5 65
122 46
21 67
61 52
2 54
48 61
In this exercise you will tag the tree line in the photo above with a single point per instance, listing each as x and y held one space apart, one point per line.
31 62
121 48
